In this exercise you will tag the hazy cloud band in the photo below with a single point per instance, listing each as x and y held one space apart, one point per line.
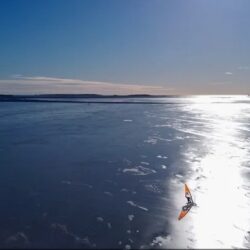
19 84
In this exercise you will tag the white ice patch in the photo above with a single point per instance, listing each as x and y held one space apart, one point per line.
161 241
139 170
66 182
109 225
179 176
144 163
135 205
19 238
131 217
163 166
127 247
108 193
127 120
162 156
151 141
127 161
179 138
162 125
163 139
124 190
100 219
83 184
61 228
153 188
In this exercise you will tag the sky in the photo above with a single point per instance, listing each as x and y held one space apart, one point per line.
125 46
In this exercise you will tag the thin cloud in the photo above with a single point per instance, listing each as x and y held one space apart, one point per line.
228 73
220 83
53 80
243 68
20 84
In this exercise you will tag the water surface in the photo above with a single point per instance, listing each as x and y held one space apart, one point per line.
111 175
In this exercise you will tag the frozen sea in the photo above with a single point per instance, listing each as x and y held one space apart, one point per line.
96 175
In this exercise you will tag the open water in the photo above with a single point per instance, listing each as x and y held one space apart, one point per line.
89 175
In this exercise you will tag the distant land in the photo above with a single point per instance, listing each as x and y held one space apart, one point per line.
89 98
3 96
75 98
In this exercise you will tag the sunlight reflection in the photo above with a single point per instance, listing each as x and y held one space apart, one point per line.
222 217
220 220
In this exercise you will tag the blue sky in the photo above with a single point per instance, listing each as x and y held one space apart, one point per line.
125 46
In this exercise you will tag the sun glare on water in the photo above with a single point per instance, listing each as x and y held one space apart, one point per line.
222 217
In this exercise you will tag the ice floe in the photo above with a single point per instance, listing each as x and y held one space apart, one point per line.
66 182
139 170
131 217
124 190
127 247
135 205
100 219
108 193
153 188
162 156
179 176
63 230
160 241
151 141
18 240
130 240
